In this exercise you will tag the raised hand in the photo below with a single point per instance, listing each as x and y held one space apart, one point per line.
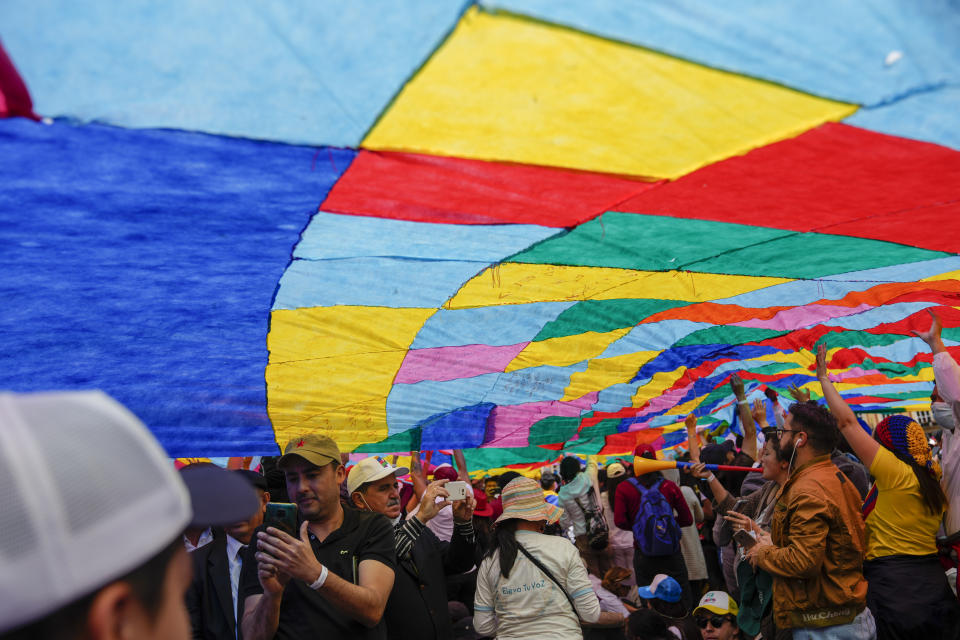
759 413
691 423
736 383
798 394
822 362
463 509
932 335
699 470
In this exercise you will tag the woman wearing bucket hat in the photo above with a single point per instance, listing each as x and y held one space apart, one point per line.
532 585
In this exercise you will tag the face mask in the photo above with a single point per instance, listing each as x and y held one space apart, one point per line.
943 415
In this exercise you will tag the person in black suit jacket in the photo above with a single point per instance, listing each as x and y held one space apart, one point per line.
211 598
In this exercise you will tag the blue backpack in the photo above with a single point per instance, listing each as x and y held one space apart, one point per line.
655 528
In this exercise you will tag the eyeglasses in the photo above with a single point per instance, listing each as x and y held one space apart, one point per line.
779 431
715 621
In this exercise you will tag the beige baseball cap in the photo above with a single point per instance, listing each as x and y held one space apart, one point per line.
315 448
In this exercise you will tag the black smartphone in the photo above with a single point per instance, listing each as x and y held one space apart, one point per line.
744 539
282 516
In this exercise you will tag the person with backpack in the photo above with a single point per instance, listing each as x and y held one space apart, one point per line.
655 510
583 509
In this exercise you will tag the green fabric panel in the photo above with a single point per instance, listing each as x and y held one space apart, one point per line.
603 316
585 446
770 369
634 241
553 429
855 339
728 334
662 243
404 441
601 429
494 458
894 369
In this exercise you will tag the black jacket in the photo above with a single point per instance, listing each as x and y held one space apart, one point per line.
209 599
417 607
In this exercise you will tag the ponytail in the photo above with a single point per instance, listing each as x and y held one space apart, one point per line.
505 541
930 490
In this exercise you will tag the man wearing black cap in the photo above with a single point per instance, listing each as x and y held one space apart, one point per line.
333 580
212 598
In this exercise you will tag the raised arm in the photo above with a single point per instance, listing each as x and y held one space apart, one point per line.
417 474
746 418
462 472
932 335
691 423
859 440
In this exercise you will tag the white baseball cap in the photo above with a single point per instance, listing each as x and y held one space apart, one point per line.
370 470
87 496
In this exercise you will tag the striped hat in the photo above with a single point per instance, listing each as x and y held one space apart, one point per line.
523 500
901 433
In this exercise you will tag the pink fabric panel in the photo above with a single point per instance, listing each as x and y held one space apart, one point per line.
451 363
509 426
798 317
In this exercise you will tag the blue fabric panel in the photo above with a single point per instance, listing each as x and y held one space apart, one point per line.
373 282
461 429
409 405
331 236
144 263
692 355
933 116
839 50
297 71
496 326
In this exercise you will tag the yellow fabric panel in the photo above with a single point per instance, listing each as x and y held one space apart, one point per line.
508 88
515 283
345 360
949 275
686 408
602 373
564 351
659 383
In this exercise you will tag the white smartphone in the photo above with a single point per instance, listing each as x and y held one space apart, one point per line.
457 490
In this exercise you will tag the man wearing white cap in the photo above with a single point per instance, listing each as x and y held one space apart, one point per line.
91 522
418 603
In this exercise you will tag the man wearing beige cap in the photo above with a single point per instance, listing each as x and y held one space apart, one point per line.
333 580
418 602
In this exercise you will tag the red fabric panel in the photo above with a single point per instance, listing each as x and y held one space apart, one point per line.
834 179
14 97
424 188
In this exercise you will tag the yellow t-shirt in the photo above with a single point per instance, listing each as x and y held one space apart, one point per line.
900 522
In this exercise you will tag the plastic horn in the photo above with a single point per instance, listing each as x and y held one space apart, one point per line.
643 465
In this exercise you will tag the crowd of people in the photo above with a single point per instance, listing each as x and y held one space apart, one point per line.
813 527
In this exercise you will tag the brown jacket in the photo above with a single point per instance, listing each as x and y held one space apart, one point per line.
819 542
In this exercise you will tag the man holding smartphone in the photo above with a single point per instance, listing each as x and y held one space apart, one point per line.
333 580
417 607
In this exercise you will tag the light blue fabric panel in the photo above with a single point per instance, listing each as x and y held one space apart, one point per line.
331 235
295 71
495 326
372 282
534 384
653 336
932 117
879 315
802 292
840 49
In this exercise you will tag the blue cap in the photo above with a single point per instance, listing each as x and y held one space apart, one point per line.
663 588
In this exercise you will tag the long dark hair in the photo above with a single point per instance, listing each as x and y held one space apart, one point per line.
612 484
930 490
505 541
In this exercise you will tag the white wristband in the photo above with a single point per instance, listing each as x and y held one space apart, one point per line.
319 581
711 478
744 402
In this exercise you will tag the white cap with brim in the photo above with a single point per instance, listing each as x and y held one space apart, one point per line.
88 495
370 470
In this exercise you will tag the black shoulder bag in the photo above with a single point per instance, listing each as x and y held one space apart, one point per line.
550 575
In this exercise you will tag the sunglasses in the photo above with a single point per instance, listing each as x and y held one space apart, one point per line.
715 621
778 431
